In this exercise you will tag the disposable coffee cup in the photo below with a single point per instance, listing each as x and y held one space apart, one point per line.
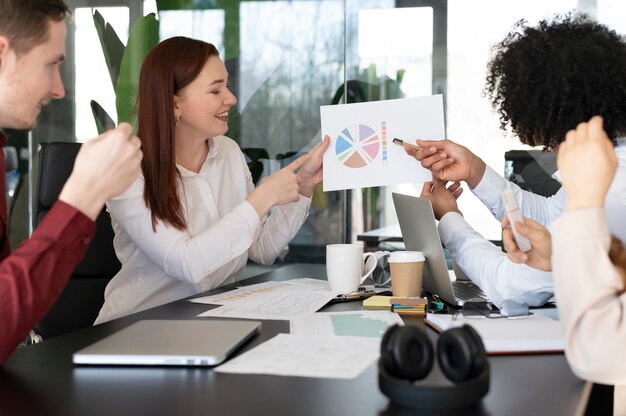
406 269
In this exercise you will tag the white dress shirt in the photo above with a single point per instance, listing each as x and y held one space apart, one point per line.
223 231
487 265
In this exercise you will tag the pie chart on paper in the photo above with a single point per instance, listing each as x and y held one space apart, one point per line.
357 146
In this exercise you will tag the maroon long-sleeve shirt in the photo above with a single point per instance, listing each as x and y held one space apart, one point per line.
32 277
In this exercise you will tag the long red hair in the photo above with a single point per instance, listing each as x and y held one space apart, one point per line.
169 67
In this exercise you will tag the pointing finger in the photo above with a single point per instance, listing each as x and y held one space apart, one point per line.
293 166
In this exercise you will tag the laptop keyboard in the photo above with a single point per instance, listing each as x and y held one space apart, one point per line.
468 291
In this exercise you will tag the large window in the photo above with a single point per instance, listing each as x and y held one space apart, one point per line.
286 58
473 28
90 66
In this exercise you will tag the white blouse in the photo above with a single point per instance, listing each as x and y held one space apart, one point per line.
223 231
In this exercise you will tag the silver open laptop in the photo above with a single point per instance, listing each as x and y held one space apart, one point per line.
199 342
419 232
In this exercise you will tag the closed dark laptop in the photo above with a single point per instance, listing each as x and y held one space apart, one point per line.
199 342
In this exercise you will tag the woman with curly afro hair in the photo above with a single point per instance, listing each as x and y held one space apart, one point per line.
545 80
542 81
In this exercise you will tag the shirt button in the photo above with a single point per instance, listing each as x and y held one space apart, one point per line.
86 240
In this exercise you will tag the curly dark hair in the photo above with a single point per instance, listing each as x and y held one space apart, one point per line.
542 81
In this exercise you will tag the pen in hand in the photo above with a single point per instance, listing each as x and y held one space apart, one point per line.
403 143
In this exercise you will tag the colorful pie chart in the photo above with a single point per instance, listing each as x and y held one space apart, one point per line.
357 146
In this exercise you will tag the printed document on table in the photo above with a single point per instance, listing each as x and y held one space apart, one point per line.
370 324
307 356
362 153
294 285
282 300
532 334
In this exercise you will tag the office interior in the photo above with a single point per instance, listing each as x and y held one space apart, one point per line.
285 60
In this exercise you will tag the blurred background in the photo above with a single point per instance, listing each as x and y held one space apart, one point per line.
286 59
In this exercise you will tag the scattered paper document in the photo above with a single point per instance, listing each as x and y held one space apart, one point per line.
243 292
282 300
279 306
307 356
535 333
361 152
370 324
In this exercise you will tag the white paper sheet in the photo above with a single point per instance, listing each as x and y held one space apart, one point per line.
371 324
298 285
361 152
535 333
307 356
271 300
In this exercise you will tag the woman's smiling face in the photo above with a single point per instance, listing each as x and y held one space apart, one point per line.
203 104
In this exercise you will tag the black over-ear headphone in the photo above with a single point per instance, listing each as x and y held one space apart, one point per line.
407 355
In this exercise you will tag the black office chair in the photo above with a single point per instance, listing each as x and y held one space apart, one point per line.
81 300
12 175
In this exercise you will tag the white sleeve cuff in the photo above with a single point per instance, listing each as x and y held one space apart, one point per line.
490 186
450 224
249 214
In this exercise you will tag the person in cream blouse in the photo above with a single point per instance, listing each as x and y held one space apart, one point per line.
588 263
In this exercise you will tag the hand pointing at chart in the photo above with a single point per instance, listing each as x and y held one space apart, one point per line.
277 189
362 150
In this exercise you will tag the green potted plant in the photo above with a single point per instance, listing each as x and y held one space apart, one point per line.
124 64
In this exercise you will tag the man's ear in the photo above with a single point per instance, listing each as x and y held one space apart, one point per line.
5 47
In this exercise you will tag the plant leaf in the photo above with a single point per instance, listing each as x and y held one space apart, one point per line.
190 4
143 37
174 4
112 46
102 118
400 76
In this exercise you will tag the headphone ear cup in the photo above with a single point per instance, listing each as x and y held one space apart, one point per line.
386 341
386 353
461 353
412 353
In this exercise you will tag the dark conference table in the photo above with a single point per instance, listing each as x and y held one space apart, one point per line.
41 379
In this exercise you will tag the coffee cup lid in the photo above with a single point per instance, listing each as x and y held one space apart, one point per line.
405 256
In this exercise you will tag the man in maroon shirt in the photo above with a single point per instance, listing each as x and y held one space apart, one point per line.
32 46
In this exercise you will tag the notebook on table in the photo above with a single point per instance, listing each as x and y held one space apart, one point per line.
537 333
199 342
419 232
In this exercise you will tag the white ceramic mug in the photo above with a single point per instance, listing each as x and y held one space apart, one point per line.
345 267
383 277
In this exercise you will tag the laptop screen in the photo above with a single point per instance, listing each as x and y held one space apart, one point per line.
419 232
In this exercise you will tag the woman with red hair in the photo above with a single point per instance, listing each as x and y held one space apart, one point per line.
192 220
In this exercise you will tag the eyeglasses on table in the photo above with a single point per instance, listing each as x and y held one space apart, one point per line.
510 308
